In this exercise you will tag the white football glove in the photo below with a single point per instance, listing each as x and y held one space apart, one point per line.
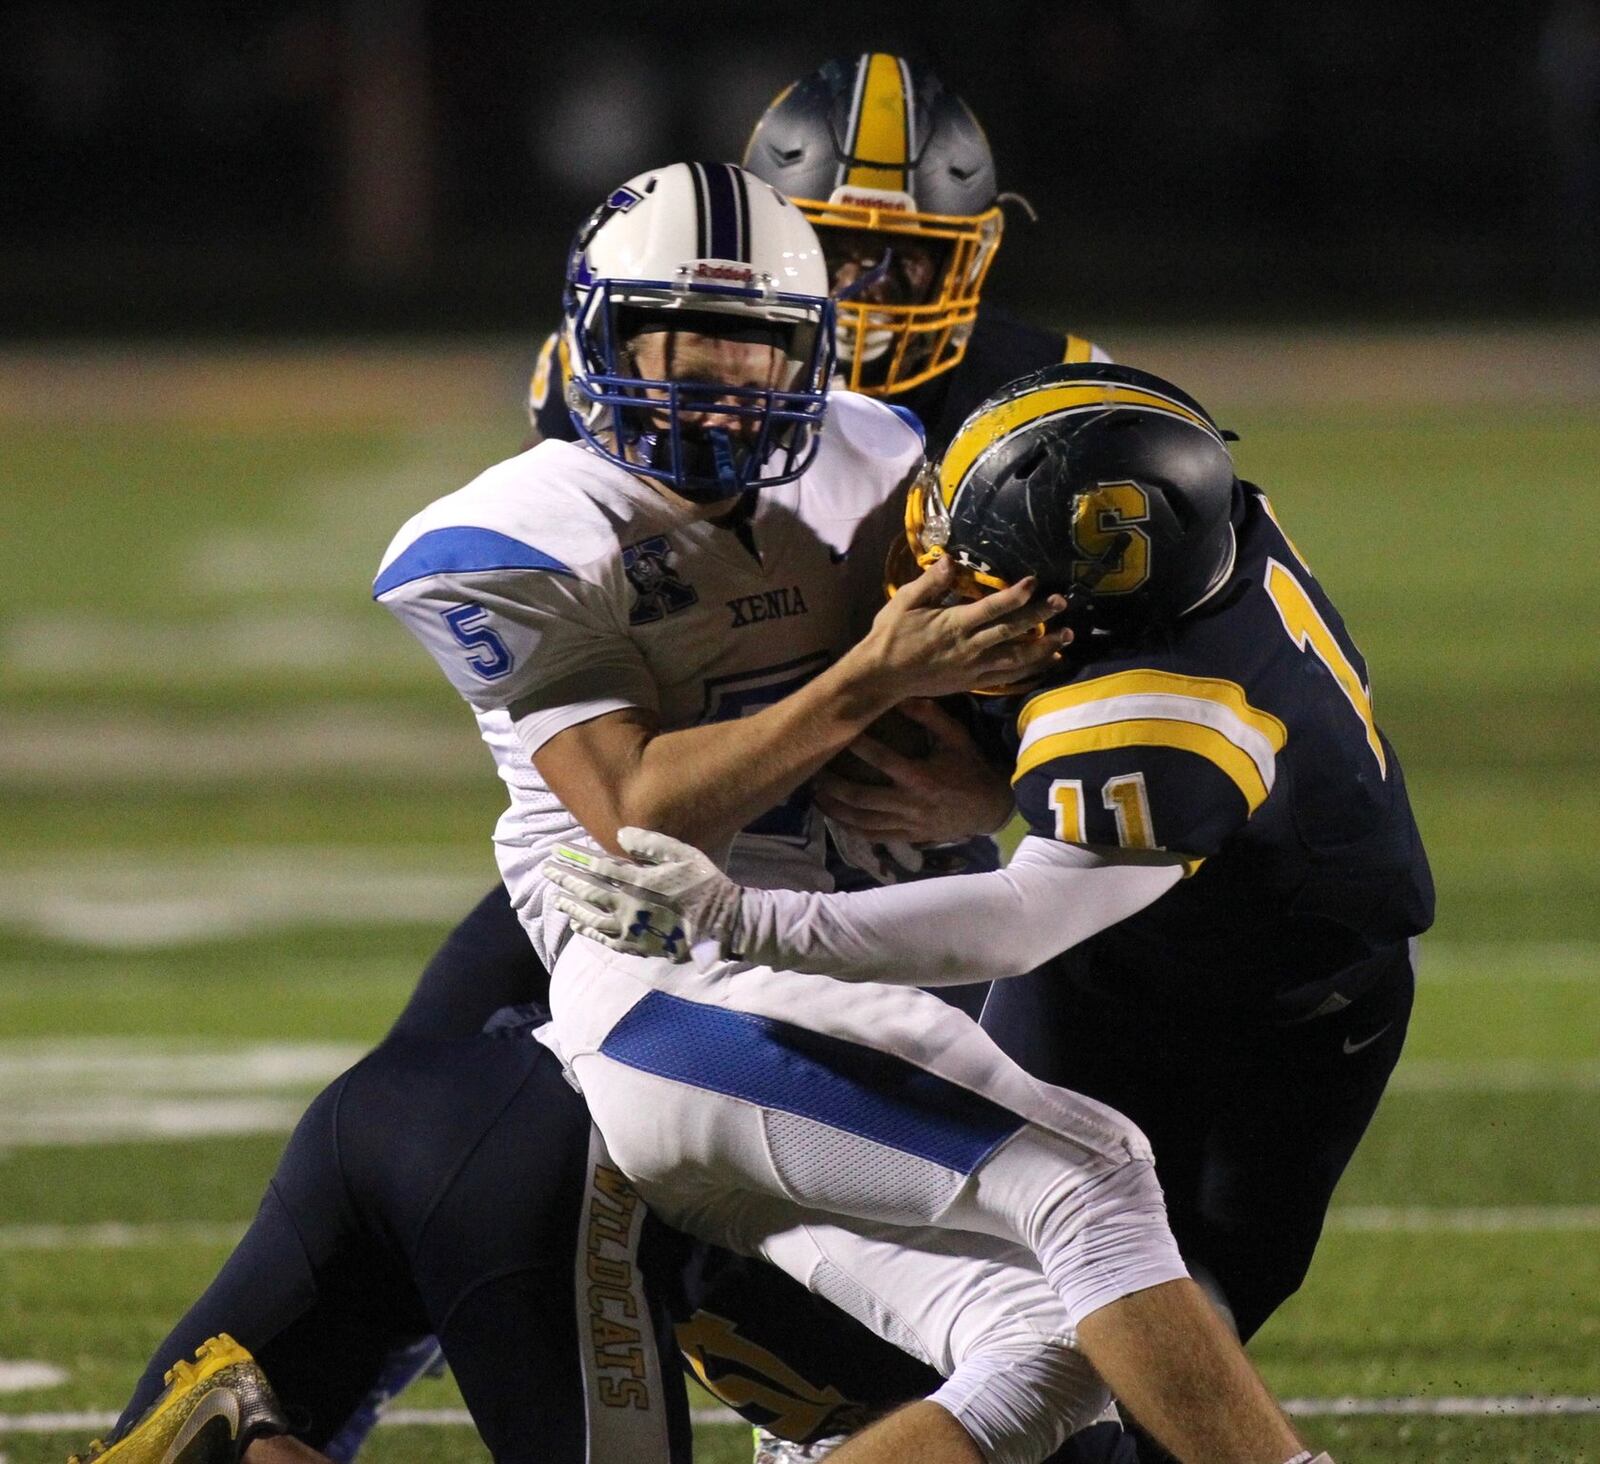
668 900
887 861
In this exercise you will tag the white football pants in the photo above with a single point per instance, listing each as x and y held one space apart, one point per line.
875 1144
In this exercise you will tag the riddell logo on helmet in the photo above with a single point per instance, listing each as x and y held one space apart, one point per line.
742 273
888 203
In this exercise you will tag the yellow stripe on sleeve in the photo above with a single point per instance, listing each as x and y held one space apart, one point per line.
1227 694
1206 742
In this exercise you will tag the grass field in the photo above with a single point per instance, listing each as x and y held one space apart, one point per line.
238 808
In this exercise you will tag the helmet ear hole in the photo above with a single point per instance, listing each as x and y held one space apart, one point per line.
1032 461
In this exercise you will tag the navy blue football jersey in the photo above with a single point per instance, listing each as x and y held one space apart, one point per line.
1001 349
547 392
1245 743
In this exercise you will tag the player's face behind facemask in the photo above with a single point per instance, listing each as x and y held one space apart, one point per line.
878 281
704 380
699 332
894 172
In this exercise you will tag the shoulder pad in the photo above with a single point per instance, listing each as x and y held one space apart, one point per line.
872 428
532 512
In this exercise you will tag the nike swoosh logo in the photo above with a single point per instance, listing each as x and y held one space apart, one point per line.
219 1403
1351 1047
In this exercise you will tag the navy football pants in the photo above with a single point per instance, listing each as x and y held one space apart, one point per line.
1252 1123
435 1187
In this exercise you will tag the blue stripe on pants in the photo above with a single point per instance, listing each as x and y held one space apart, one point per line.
842 1084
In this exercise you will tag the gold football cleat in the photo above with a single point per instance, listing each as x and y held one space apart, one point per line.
209 1411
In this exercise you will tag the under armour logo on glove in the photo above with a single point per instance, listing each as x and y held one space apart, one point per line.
669 901
641 929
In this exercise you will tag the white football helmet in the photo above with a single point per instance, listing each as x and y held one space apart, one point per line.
708 248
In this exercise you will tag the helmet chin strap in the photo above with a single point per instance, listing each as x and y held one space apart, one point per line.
727 473
708 455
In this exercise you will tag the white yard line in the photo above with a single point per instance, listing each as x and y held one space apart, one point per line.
1437 1407
121 1065
56 750
143 902
88 1092
1444 962
21 1375
221 650
116 1235
1496 1219
1496 1075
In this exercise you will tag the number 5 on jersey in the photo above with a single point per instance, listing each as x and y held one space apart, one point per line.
490 658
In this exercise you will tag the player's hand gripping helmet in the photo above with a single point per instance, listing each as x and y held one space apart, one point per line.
708 250
898 178
1111 485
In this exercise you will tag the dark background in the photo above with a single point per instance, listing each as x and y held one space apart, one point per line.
400 165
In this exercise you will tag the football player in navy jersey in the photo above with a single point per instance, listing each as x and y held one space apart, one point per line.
896 176
1221 883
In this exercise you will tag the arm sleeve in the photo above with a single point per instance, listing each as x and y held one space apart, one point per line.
943 932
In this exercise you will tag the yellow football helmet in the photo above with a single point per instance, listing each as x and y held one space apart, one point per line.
896 174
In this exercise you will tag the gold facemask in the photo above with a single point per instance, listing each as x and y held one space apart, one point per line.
903 345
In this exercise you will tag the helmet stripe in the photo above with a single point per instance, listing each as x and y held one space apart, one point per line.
724 217
987 430
847 144
910 93
702 231
741 198
878 150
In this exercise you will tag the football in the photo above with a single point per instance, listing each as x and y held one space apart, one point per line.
895 730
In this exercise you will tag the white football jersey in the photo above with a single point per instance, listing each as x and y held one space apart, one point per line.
557 587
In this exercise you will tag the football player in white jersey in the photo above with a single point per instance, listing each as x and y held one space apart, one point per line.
646 638
638 583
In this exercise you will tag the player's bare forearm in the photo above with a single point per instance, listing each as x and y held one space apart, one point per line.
703 784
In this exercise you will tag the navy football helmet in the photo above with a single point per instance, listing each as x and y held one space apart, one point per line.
889 166
1115 488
